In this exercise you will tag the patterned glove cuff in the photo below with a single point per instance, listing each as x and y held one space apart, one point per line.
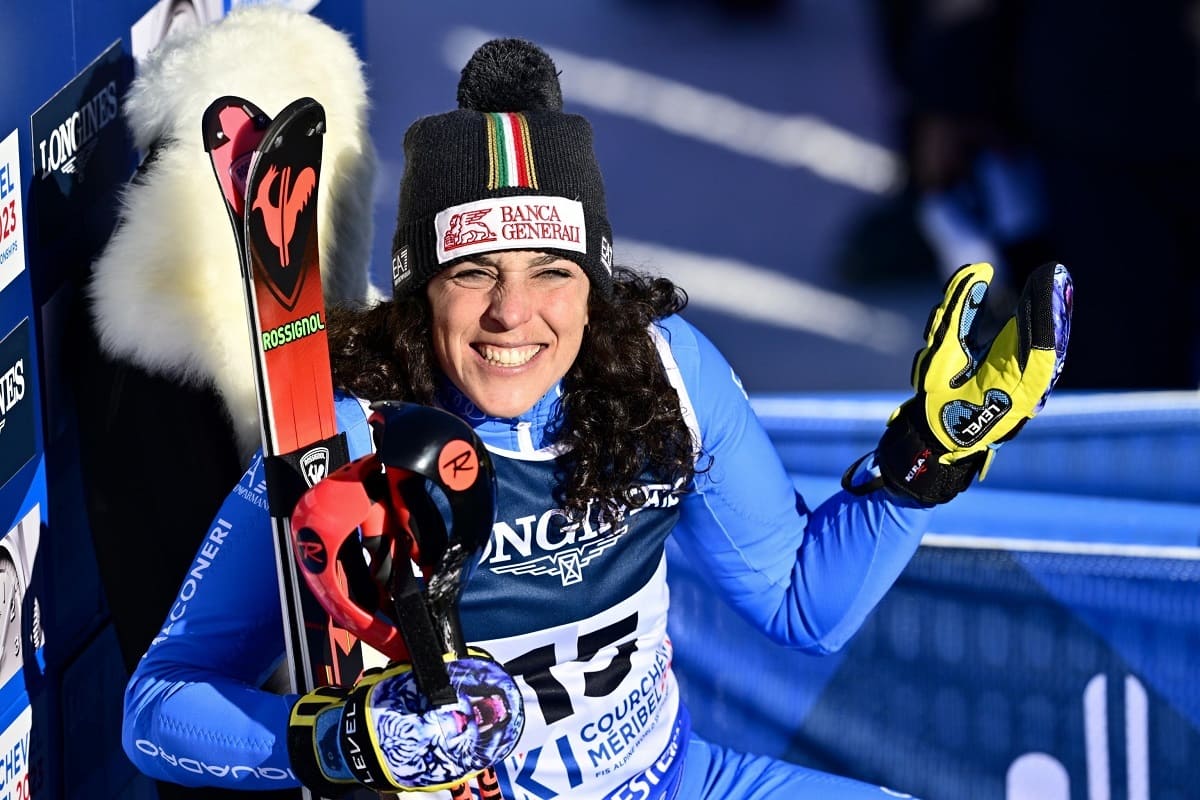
357 742
313 746
908 458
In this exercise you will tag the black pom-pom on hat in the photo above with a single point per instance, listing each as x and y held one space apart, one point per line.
509 75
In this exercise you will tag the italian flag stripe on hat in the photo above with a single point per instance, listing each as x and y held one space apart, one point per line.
510 152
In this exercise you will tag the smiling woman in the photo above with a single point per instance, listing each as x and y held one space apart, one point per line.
506 327
505 336
611 424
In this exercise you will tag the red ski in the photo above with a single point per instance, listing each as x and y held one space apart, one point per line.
268 172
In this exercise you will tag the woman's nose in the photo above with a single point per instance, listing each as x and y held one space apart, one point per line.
511 305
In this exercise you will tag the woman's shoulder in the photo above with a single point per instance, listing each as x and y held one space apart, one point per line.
686 344
675 332
705 380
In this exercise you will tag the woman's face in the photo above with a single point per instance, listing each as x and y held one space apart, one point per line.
508 325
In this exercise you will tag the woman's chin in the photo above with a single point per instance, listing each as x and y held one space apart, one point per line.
507 392
508 403
505 409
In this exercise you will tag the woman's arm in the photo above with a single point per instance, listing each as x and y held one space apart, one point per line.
194 714
806 578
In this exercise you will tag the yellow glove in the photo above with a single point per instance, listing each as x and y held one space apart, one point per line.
971 396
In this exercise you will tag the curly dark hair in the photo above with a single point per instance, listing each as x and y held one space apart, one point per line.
621 417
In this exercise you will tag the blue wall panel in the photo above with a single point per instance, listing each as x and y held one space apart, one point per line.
75 681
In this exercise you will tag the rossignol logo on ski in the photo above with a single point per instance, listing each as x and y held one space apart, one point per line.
279 216
292 331
268 172
282 207
314 465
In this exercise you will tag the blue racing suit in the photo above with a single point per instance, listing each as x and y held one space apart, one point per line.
575 610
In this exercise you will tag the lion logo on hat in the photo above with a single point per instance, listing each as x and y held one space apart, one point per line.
468 228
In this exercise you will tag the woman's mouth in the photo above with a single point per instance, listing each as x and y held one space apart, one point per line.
507 356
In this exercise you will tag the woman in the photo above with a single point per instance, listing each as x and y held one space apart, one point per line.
612 423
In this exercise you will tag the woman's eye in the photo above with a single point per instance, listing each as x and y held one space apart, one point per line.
473 276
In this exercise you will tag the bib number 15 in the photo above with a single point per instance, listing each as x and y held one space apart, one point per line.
536 667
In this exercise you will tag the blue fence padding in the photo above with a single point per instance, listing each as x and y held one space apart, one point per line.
1045 634
1134 445
976 659
985 511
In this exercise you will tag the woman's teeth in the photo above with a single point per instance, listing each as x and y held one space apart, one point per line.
508 356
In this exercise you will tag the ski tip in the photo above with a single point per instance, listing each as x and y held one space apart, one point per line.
226 117
305 115
301 105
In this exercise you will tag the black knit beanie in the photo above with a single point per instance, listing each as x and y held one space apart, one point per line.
507 171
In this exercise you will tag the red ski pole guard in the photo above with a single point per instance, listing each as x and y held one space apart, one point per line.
383 505
330 552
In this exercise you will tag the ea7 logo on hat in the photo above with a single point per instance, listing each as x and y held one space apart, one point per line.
606 254
400 270
523 222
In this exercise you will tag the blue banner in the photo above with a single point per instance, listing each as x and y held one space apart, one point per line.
1056 673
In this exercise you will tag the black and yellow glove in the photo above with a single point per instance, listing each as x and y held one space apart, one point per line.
971 396
383 733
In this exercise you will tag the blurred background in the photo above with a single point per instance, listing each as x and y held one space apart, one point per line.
812 171
749 150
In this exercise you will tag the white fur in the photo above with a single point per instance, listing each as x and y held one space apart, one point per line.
166 292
